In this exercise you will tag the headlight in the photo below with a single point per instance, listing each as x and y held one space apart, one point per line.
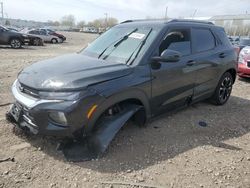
240 58
58 118
59 95
25 36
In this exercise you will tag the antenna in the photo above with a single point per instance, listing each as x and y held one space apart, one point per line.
194 13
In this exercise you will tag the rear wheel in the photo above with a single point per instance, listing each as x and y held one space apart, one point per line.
36 42
15 43
223 89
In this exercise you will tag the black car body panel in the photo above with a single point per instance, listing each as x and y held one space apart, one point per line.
76 72
83 87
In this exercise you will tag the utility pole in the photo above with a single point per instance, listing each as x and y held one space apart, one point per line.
106 20
1 3
166 13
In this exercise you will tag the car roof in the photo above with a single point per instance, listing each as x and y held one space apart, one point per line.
163 22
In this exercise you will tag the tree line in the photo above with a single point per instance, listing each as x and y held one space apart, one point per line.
70 21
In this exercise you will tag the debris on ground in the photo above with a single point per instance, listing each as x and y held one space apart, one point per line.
12 159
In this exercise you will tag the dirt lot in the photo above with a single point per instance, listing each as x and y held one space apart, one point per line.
173 151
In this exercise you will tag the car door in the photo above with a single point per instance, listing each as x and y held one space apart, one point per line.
3 36
206 61
43 35
173 83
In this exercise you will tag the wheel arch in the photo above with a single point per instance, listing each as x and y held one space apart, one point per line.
233 72
133 96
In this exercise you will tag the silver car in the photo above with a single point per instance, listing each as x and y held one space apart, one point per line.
45 36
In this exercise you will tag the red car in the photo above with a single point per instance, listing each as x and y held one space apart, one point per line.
244 63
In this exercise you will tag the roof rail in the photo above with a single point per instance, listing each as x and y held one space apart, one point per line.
170 20
126 21
191 21
141 20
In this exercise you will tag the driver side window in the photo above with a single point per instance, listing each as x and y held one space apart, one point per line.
178 40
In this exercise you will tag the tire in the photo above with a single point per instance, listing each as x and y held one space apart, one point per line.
36 42
54 41
223 89
15 43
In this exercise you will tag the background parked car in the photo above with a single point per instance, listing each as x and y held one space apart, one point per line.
51 32
244 42
244 62
35 40
12 38
44 35
234 40
89 30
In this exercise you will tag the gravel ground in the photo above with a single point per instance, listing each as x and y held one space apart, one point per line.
173 151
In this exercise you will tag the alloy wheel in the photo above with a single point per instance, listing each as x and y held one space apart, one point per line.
225 89
15 43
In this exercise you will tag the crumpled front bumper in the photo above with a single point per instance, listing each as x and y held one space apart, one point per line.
34 114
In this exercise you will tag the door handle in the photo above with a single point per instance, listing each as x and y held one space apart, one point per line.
190 63
222 55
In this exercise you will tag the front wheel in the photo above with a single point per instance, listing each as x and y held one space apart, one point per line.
223 89
54 41
15 43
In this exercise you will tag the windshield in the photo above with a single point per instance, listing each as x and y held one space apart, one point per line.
113 45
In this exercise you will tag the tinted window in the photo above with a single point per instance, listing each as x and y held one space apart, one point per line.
42 32
178 40
223 37
203 40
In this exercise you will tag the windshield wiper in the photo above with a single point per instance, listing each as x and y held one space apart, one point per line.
138 48
116 43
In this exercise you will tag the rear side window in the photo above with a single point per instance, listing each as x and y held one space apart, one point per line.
202 40
221 34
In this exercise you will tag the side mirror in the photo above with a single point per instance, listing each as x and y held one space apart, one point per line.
169 56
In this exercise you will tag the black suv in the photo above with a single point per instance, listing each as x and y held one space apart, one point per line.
12 38
137 69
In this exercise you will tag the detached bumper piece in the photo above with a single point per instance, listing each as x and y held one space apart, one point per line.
94 146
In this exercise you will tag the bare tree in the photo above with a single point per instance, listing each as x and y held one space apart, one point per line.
68 20
54 23
81 24
102 23
7 22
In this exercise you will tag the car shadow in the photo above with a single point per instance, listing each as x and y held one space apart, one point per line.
175 133
247 80
24 47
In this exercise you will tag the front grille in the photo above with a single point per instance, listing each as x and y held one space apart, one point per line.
28 91
248 64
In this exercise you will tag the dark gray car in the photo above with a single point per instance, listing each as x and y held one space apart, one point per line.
137 69
12 38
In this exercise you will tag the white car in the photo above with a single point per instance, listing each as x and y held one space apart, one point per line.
45 36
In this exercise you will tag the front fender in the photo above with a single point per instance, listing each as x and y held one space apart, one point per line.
135 94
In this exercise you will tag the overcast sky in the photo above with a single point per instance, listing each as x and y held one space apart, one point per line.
43 10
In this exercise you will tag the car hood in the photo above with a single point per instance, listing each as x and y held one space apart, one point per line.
70 72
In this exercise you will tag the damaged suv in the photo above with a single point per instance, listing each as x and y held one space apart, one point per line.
136 70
